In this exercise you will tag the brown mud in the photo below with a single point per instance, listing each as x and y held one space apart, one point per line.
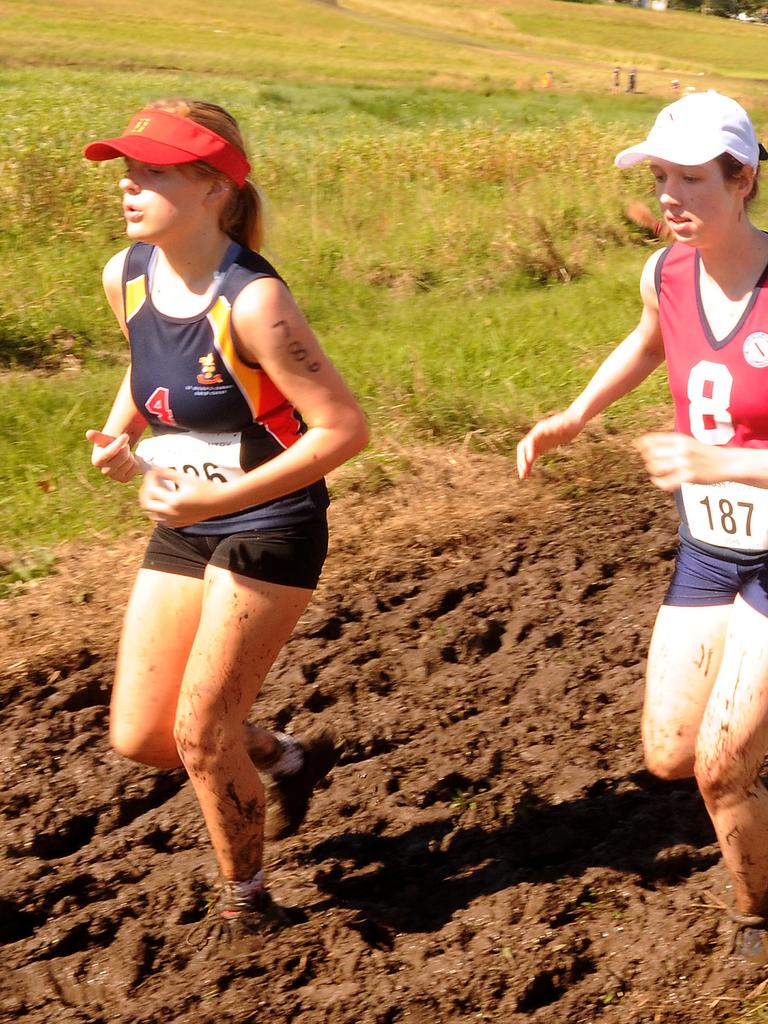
489 848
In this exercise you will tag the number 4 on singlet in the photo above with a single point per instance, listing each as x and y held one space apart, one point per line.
159 406
709 397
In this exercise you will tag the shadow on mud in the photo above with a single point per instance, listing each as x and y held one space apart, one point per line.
657 832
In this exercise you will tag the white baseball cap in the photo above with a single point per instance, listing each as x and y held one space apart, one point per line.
695 129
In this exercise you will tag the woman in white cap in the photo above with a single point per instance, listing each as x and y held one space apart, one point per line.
705 311
222 360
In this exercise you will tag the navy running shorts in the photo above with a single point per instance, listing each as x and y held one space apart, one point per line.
703 578
291 556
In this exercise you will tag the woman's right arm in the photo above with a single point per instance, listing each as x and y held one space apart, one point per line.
634 359
124 426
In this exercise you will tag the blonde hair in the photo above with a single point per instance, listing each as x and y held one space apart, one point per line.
242 217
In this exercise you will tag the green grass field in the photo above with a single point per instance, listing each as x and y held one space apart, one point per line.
453 231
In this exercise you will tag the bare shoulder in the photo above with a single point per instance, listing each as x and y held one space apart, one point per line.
262 298
651 263
272 330
112 280
265 314
648 279
112 275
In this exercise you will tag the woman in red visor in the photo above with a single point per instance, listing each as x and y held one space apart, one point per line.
246 415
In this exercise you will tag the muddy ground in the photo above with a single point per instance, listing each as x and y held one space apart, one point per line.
490 847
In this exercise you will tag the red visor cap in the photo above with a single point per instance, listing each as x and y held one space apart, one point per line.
162 138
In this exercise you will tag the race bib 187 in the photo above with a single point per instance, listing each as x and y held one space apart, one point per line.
729 515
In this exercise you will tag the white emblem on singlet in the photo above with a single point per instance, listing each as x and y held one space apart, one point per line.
755 349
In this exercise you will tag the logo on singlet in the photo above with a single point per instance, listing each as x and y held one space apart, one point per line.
208 373
755 349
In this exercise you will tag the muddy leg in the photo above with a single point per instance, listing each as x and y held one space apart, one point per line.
683 662
732 744
244 624
158 632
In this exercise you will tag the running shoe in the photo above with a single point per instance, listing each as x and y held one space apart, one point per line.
232 928
751 943
749 938
288 796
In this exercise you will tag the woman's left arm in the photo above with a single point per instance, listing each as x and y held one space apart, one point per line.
675 459
272 331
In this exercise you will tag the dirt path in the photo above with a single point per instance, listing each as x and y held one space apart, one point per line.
490 847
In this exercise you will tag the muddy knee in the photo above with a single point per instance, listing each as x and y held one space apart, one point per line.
724 780
201 746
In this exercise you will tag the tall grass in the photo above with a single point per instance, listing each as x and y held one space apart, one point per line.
50 492
469 208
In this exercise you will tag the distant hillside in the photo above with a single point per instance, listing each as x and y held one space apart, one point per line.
444 43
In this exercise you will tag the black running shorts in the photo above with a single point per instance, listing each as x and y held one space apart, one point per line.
291 556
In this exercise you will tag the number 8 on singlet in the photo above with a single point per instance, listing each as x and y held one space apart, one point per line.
709 398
